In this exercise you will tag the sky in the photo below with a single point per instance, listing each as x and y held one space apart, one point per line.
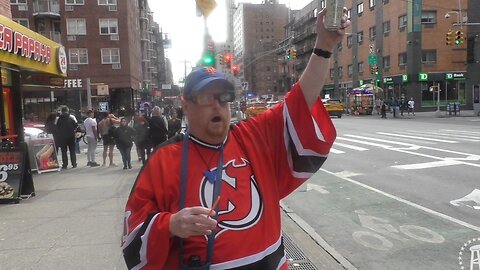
178 19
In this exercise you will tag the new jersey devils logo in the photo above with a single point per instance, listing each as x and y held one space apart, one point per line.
241 204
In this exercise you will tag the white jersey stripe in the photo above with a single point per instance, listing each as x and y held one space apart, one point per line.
143 248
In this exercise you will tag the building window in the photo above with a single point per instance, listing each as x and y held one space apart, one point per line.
78 56
372 3
340 46
340 72
360 37
402 59
402 22
372 33
22 21
74 2
360 9
322 4
360 67
386 62
429 56
76 27
18 2
349 13
429 17
350 70
108 26
385 1
107 2
110 56
332 73
349 41
386 27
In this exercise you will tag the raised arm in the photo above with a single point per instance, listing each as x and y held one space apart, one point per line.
313 78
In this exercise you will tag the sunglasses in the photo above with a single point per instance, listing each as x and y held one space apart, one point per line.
209 99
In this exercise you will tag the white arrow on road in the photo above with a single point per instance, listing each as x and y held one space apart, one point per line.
318 188
474 196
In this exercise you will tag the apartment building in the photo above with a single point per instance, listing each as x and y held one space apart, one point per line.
112 53
405 40
257 29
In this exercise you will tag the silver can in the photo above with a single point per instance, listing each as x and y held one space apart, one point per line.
333 18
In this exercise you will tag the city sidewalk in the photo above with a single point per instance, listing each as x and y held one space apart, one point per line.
75 221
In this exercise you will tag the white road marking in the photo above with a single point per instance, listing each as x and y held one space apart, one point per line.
318 188
350 146
473 196
426 165
335 151
456 136
347 174
416 137
461 131
417 206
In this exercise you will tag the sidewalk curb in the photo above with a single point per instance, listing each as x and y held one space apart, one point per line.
316 237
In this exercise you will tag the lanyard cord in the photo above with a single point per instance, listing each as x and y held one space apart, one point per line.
183 190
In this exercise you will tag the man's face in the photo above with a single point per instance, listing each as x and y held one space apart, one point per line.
208 118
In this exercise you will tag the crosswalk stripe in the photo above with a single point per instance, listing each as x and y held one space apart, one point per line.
335 151
364 142
378 140
461 131
473 138
416 137
426 165
350 146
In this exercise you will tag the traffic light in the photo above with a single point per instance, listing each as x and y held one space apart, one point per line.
449 38
208 57
228 59
374 70
294 54
289 54
459 38
235 70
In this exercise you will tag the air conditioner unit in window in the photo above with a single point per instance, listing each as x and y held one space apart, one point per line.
112 8
116 66
114 37
22 7
68 8
71 38
72 67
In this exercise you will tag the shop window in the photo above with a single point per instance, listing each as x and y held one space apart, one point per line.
110 55
78 56
74 2
108 26
76 27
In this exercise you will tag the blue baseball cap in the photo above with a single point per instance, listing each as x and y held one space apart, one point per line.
200 78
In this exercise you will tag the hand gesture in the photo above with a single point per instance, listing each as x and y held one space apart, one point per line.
192 221
327 39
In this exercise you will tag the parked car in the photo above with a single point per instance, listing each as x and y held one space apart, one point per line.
334 107
255 108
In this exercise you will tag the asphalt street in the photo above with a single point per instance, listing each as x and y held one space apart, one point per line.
399 193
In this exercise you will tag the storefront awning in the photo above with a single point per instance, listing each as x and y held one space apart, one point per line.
28 50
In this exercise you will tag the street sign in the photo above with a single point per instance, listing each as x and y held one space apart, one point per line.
372 60
206 6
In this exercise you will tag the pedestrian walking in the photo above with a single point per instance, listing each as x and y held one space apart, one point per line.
51 128
174 124
92 137
142 139
210 197
66 127
158 127
106 129
124 136
411 106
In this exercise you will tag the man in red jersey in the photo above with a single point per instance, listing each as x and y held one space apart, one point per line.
209 198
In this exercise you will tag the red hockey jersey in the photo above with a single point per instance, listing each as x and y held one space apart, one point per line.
265 159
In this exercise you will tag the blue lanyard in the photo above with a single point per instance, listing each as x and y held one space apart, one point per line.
183 190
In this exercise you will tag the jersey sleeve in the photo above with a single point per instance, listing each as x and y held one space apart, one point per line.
146 241
295 140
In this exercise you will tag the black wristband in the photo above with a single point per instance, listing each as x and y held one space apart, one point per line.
322 53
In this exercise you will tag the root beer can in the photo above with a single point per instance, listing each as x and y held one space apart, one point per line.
333 18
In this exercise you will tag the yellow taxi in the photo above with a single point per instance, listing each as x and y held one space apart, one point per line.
334 107
255 108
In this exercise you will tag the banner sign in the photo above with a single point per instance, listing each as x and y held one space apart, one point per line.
45 154
15 176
